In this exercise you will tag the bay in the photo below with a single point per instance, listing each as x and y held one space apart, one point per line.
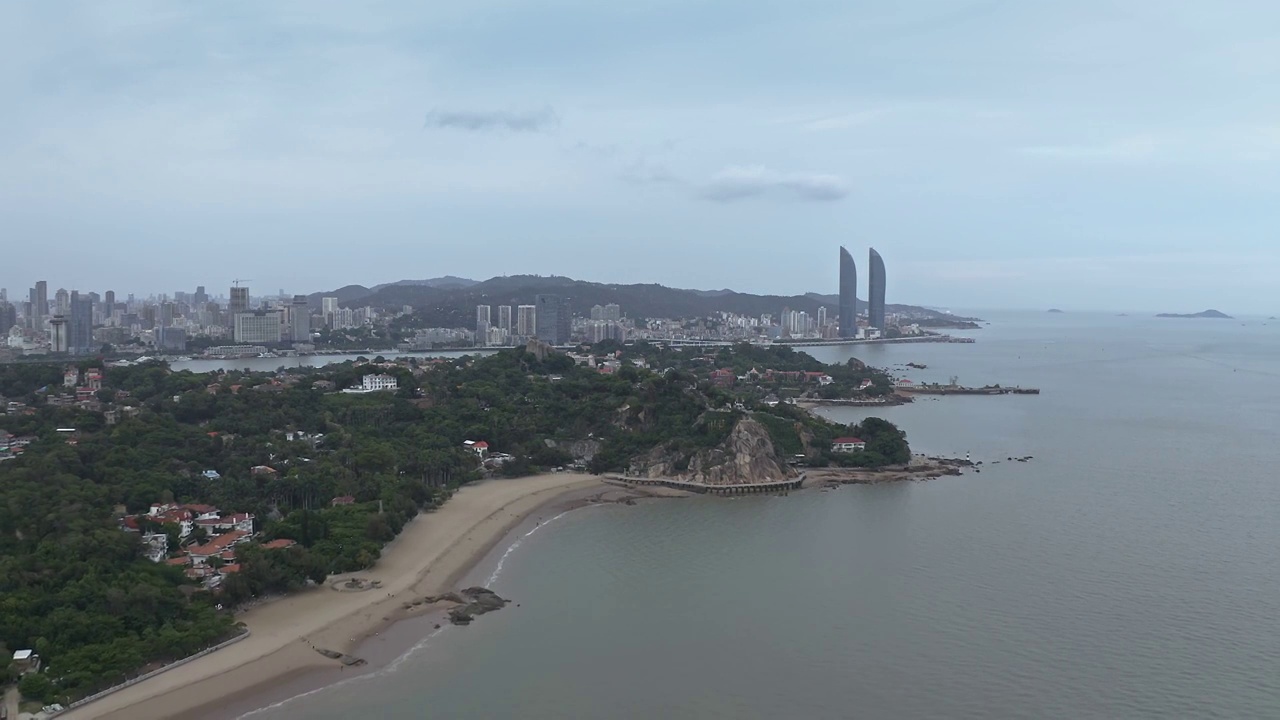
1129 570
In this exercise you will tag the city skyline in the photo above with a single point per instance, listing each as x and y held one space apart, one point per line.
1091 174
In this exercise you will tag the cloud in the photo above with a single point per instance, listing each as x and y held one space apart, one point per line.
742 182
1137 148
645 171
483 120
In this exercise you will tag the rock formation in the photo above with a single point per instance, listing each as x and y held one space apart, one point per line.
746 456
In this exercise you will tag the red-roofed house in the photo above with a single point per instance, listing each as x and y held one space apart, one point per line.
262 470
847 444
279 544
723 377
479 447
343 500
237 521
201 553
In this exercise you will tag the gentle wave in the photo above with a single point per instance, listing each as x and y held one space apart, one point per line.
390 668
502 561
394 665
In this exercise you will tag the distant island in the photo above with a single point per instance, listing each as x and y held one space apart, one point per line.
1056 311
1212 314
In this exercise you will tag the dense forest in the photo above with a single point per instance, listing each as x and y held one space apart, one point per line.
286 447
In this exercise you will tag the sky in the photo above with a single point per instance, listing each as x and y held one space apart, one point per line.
1085 155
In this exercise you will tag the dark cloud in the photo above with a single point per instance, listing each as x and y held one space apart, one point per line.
739 183
483 120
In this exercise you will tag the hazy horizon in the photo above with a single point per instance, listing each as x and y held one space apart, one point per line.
1080 156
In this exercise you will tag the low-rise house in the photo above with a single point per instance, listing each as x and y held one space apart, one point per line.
216 547
26 661
847 445
279 544
155 546
723 377
479 447
238 521
342 500
377 382
262 470
211 475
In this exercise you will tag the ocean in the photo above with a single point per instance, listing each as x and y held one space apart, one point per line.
1129 570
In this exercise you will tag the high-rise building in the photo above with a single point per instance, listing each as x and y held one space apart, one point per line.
109 299
482 324
167 312
58 334
239 300
41 299
504 318
526 321
260 327
822 317
80 325
848 317
875 292
4 294
328 309
201 297
609 313
8 317
171 338
553 321
300 320
62 302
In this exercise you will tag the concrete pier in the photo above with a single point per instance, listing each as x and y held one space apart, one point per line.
744 489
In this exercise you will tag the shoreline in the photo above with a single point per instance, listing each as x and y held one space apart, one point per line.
432 551
405 631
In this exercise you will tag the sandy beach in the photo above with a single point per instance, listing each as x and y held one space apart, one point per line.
433 551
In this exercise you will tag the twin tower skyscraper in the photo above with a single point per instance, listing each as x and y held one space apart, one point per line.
849 294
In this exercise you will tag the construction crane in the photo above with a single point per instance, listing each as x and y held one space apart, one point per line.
237 281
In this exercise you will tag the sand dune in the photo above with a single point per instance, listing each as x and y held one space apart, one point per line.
432 551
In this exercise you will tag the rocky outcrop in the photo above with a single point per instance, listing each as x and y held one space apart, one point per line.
481 601
581 450
747 456
468 603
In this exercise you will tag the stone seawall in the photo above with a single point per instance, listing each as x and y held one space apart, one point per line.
177 663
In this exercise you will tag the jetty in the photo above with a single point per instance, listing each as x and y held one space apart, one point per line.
961 390
772 486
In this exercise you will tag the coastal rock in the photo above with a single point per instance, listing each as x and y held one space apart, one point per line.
746 456
581 450
478 601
